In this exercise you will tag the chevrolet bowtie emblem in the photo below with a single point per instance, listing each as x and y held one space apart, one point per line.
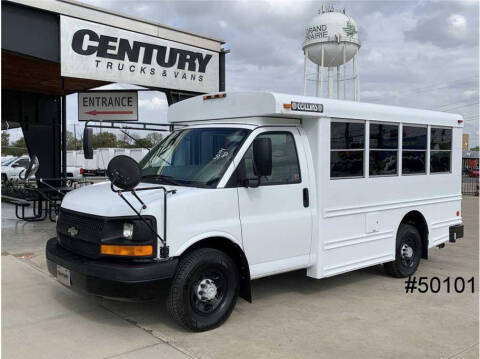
72 231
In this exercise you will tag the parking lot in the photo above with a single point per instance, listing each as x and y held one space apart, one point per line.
363 314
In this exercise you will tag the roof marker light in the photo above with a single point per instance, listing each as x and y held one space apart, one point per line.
211 97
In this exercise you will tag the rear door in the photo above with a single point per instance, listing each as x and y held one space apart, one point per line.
275 217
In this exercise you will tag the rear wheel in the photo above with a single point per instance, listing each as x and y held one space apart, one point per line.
204 289
407 254
4 177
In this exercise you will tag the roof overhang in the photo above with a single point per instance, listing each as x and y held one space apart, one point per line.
87 12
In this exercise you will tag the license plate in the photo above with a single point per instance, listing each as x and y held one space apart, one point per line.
63 275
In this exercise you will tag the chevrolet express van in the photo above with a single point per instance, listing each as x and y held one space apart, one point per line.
252 184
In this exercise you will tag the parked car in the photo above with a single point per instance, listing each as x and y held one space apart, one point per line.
473 172
11 168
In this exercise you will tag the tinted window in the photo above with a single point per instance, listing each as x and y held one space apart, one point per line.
346 163
22 163
413 162
441 139
383 149
414 138
285 166
347 143
440 161
383 136
440 149
347 135
383 163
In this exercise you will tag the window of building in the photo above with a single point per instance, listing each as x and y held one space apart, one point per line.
440 149
285 166
383 149
347 146
414 149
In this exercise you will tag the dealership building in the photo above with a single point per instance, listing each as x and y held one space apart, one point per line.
53 48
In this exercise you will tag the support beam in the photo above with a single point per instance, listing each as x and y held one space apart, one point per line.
338 82
305 73
330 82
321 73
64 136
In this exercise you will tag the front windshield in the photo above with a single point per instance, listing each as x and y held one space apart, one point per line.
8 161
193 157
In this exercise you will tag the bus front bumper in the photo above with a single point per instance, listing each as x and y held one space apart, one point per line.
106 278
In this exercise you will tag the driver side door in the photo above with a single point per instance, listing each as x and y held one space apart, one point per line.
276 221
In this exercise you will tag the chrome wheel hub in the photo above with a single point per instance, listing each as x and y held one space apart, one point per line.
407 251
206 290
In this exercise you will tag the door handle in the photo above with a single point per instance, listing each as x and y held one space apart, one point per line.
306 198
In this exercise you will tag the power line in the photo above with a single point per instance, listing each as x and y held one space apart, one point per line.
456 107
422 89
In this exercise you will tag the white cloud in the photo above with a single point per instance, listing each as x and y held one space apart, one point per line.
457 25
223 24
154 104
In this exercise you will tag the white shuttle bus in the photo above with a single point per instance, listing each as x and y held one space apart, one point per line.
251 184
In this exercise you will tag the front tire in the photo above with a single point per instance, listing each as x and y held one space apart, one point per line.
204 289
408 252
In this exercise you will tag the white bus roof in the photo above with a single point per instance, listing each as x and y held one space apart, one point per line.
244 104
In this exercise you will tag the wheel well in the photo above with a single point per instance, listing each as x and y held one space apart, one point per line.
417 220
236 253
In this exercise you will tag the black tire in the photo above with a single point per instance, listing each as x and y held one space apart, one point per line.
186 302
408 252
4 177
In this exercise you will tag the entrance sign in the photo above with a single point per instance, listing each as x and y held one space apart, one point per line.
100 52
108 105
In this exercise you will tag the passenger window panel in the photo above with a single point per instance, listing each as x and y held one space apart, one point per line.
414 149
440 149
347 146
383 149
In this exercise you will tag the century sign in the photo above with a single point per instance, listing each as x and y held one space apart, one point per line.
99 52
108 105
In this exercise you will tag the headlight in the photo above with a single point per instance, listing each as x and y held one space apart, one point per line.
128 230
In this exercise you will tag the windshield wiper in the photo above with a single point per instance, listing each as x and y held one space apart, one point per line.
165 178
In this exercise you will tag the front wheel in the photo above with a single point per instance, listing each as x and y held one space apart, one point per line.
204 289
407 254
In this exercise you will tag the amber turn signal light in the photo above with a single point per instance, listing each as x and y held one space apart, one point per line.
132 251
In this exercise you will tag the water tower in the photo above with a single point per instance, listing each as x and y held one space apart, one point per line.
331 41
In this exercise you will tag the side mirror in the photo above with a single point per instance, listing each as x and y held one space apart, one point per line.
87 143
31 170
124 172
262 156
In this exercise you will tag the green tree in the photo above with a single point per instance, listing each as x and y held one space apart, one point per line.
17 148
5 139
154 137
72 143
471 149
149 141
104 139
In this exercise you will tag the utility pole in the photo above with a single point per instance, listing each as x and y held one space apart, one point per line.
75 134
